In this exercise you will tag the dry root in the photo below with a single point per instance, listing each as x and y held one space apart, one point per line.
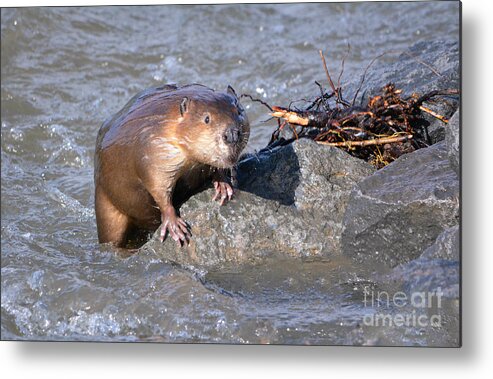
387 127
368 142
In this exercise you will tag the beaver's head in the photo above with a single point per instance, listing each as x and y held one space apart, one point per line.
217 127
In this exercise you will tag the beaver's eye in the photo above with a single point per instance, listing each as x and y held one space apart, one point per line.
207 119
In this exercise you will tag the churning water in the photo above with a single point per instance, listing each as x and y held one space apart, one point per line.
65 70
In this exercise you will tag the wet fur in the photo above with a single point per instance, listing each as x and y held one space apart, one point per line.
149 149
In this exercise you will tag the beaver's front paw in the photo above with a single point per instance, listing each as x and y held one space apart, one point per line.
175 226
224 191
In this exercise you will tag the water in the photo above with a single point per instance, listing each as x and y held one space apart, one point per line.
65 70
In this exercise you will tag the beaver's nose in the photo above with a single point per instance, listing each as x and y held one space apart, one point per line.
232 135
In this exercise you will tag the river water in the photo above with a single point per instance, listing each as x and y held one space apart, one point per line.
65 70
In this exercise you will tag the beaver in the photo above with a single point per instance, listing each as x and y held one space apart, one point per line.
164 144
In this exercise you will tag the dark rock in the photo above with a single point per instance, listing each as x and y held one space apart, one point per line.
434 284
446 246
291 202
393 215
437 269
452 139
424 67
296 200
429 275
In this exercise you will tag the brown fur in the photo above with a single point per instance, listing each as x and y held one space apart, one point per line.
158 142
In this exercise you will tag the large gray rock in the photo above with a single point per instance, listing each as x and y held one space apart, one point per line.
393 215
446 246
436 270
292 199
434 278
291 202
452 139
428 275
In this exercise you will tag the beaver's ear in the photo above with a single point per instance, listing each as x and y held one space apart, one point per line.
184 105
232 92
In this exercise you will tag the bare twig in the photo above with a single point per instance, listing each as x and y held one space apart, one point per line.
423 63
431 94
336 90
327 72
364 75
256 100
434 114
290 116
386 53
342 65
378 141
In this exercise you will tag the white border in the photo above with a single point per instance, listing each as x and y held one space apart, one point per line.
91 360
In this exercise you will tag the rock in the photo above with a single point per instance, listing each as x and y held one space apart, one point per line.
452 139
393 215
446 246
291 202
426 66
434 283
429 290
437 269
307 200
428 275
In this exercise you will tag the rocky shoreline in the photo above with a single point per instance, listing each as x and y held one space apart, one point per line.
309 201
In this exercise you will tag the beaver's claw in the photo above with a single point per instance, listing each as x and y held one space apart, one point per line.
224 191
176 227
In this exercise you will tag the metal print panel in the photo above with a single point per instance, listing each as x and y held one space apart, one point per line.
238 173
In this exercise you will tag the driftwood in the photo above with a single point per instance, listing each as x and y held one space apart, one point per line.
381 131
368 142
